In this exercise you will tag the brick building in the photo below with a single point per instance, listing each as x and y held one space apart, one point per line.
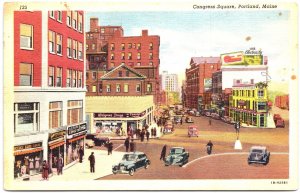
199 81
49 90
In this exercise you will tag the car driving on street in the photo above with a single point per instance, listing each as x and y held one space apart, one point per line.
259 154
177 156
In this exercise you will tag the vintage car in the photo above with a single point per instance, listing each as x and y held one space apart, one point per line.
89 140
189 120
169 127
193 131
215 116
177 119
177 156
258 154
95 140
130 163
227 119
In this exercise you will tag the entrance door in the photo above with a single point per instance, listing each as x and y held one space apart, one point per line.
262 121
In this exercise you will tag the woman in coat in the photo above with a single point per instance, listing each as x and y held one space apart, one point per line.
45 170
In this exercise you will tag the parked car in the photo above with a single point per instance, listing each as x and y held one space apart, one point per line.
177 156
197 114
193 131
189 120
169 127
89 140
177 119
259 154
227 119
215 115
131 162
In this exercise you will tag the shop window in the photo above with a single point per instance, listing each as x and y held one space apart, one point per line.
51 76
126 87
51 41
55 115
58 76
26 117
26 36
26 74
59 44
118 88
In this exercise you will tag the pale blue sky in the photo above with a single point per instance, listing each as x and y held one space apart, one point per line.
206 33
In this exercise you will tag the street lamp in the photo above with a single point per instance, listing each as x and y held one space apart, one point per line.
237 144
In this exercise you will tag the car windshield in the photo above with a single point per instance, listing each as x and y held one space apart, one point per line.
176 151
257 151
129 157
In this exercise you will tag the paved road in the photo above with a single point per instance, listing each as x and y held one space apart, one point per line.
224 163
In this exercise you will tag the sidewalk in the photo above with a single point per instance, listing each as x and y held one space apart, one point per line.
81 171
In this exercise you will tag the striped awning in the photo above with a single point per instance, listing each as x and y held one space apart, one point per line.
28 151
76 138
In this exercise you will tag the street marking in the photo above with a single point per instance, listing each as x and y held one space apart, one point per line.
118 147
232 153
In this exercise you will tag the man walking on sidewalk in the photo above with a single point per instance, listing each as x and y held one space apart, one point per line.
132 146
163 153
81 154
92 162
126 144
147 135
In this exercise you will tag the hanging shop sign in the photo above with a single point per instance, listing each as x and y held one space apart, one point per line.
119 115
76 130
28 146
234 58
56 135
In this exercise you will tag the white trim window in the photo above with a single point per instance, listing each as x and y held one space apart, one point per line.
69 48
26 117
59 16
59 44
58 77
26 36
75 112
74 78
108 88
55 115
52 42
69 77
74 49
79 79
52 14
80 51
80 22
69 18
26 74
118 88
74 19
51 76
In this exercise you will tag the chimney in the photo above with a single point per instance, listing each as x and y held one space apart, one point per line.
93 24
144 32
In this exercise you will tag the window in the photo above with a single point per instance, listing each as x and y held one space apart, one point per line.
75 112
150 63
112 46
93 46
139 56
108 88
138 88
102 30
94 75
80 22
129 56
120 73
118 88
69 16
87 47
150 56
26 36
260 93
59 44
69 47
151 46
79 79
138 64
51 14
130 45
26 117
112 65
112 56
123 56
122 46
55 115
58 76
149 87
74 49
69 77
126 87
74 19
79 51
59 16
127 73
138 46
25 74
51 76
100 87
51 41
74 78
94 88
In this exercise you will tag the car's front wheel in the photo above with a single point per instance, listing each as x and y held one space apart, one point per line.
131 171
114 172
146 165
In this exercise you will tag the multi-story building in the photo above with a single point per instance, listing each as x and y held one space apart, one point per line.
217 93
169 82
49 89
199 81
248 103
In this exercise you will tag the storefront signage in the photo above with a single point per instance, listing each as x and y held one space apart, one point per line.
28 146
25 106
253 59
76 129
56 135
119 115
253 51
235 58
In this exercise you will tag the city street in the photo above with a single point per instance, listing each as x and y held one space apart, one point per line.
224 162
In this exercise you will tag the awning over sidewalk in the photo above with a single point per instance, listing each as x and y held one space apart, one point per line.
27 151
76 138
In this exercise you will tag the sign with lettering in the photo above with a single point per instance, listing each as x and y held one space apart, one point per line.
76 129
25 106
235 58
119 115
253 51
56 135
28 146
253 59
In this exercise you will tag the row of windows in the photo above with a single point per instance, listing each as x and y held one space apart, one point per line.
247 93
131 64
74 19
129 56
130 45
74 77
125 89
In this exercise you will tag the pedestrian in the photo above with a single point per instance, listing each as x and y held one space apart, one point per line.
45 167
209 146
147 135
81 154
59 165
132 146
126 144
180 121
154 131
209 121
163 153
92 162
110 148
142 135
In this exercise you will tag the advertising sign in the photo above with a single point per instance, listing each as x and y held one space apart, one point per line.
207 84
253 59
119 115
234 58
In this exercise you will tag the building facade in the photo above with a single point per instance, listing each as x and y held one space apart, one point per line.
199 81
169 82
49 89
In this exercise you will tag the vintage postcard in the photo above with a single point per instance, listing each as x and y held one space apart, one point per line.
151 95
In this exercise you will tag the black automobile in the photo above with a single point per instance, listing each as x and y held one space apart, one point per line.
177 156
98 140
130 163
259 154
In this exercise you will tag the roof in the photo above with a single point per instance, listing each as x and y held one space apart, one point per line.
139 75
208 60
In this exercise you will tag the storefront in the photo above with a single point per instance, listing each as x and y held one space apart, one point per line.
56 147
75 140
249 117
28 159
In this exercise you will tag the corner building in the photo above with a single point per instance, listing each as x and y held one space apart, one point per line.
49 90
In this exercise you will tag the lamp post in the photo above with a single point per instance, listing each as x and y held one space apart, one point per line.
237 144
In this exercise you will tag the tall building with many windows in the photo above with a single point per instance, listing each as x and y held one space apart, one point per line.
169 82
49 89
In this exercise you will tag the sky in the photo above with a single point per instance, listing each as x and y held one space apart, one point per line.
209 33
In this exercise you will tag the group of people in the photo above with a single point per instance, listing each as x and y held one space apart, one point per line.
130 145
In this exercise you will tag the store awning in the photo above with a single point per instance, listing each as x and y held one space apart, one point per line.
56 144
76 138
28 151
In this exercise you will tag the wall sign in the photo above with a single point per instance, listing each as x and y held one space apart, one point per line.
28 146
119 115
76 129
56 135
